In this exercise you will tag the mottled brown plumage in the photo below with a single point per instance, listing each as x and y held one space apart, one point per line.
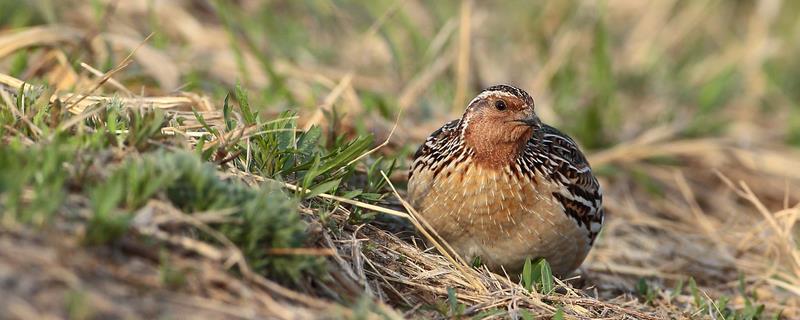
500 185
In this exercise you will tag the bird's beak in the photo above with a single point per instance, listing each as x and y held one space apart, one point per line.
532 121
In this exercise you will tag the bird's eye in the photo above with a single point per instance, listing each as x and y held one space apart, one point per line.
500 105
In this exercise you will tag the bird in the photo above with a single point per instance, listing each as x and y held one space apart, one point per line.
501 187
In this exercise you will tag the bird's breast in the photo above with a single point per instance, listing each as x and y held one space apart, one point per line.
498 214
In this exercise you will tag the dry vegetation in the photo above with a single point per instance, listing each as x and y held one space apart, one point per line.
133 185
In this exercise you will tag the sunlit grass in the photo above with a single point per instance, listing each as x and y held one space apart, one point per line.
297 93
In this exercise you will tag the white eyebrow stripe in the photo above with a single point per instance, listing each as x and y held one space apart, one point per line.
485 94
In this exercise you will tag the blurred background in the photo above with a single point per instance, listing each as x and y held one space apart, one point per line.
604 71
688 110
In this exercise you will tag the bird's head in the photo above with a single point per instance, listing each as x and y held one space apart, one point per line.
498 122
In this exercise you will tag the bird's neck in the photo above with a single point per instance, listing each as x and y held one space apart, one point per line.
493 151
495 156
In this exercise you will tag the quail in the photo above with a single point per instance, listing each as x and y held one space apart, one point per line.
500 185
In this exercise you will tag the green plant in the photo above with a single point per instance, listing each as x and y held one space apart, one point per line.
645 291
78 306
170 276
456 308
32 181
537 276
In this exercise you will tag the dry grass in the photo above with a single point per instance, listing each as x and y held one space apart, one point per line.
714 205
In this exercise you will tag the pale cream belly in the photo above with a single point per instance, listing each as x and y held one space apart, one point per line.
490 214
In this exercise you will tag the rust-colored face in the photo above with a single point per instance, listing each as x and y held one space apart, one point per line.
498 123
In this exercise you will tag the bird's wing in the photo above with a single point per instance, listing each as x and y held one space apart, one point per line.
435 146
581 195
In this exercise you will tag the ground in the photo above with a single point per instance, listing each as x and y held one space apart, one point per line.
216 159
